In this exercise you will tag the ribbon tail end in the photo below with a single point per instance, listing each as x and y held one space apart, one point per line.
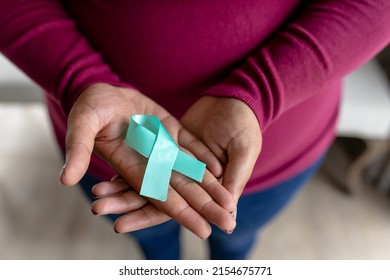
158 195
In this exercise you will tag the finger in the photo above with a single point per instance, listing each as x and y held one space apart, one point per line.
218 192
189 142
176 207
238 171
104 189
80 138
149 215
182 212
145 217
213 186
200 150
122 203
203 203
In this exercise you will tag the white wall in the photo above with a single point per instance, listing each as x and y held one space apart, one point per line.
15 85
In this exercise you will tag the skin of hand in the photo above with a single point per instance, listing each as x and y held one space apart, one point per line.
231 131
98 123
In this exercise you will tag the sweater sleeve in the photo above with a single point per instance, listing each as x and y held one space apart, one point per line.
324 42
41 39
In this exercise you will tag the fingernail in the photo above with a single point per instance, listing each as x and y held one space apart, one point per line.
116 177
93 194
116 230
234 214
93 212
62 172
228 231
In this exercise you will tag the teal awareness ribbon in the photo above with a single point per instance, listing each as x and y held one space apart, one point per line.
148 137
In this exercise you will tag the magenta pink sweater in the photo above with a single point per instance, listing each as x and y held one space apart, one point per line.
284 58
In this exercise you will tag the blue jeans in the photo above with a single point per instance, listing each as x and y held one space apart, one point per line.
254 211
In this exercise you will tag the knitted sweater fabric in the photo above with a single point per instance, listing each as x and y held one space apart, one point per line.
285 59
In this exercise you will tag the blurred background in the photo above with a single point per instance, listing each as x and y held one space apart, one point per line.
342 213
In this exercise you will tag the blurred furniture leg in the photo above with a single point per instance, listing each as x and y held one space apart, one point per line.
361 153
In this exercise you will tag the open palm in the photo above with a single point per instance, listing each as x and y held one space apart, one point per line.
98 122
231 131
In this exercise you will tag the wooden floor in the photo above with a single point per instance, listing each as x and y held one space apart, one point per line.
39 219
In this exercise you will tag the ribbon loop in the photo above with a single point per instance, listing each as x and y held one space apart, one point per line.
148 137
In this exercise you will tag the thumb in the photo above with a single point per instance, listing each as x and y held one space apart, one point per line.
80 138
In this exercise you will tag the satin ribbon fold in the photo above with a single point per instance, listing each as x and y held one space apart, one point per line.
147 136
